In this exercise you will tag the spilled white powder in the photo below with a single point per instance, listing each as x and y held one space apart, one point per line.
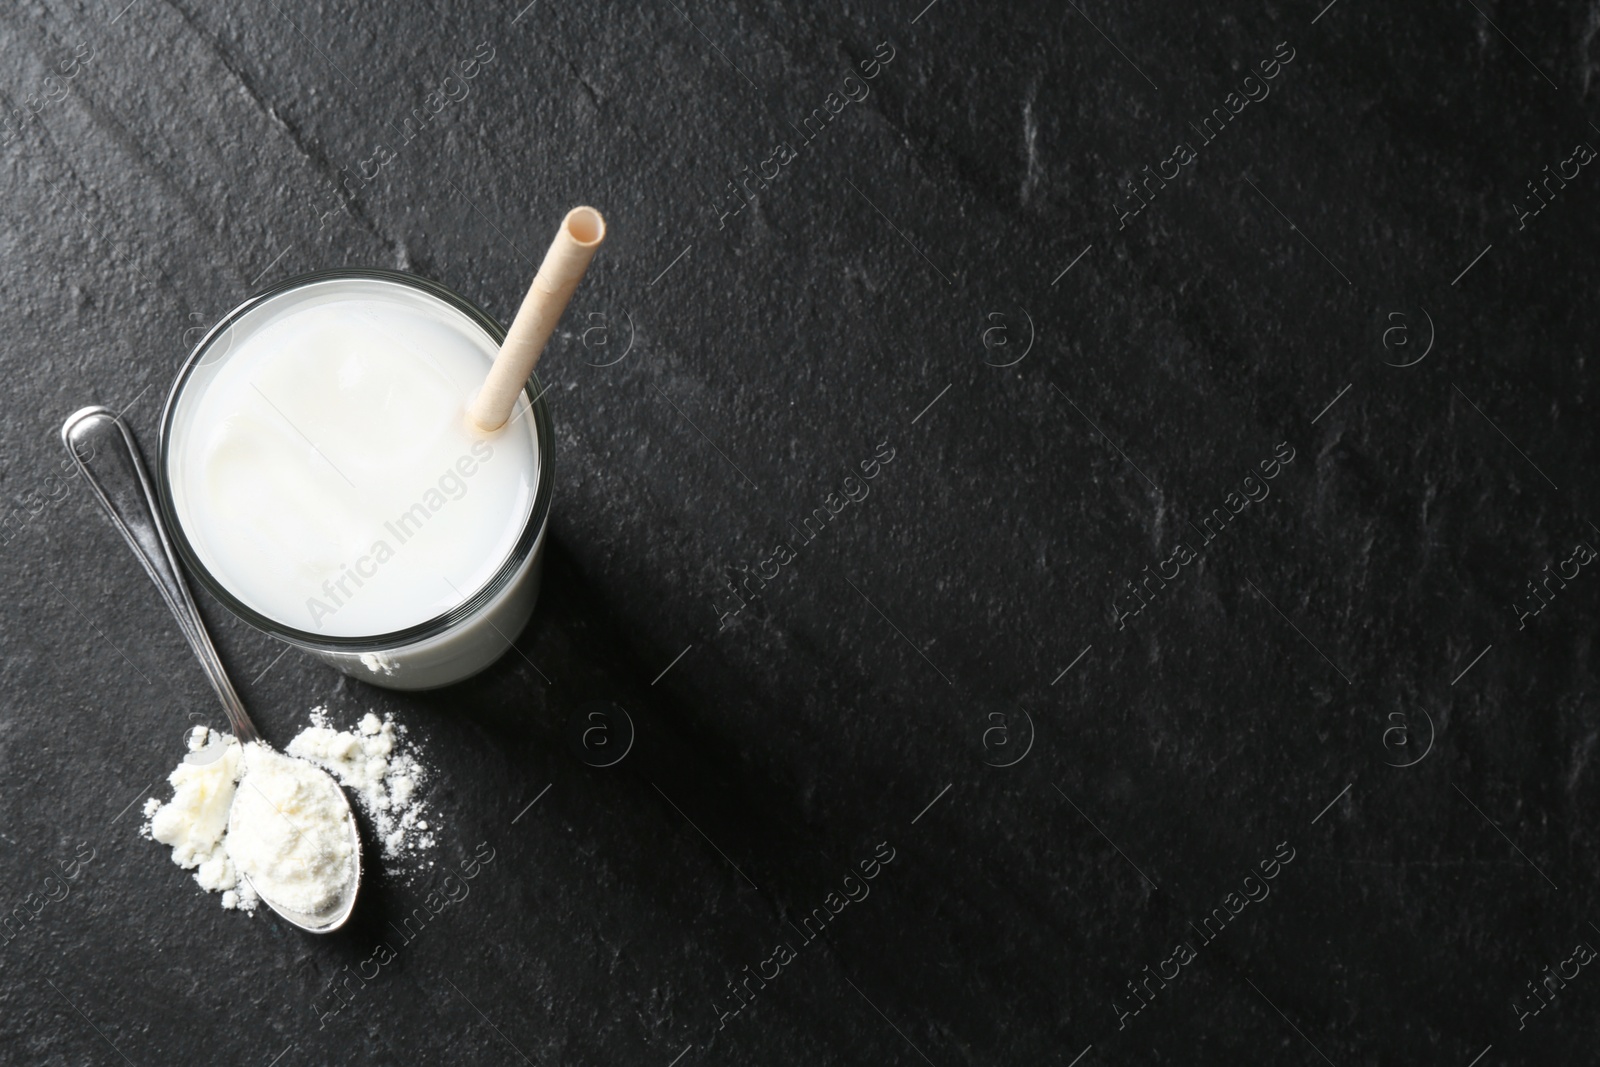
195 821
373 761
290 832
382 774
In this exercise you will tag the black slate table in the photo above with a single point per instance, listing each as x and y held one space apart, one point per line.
1204 676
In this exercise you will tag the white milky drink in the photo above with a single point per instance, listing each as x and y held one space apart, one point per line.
323 479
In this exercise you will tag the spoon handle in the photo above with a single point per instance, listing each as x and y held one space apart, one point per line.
103 448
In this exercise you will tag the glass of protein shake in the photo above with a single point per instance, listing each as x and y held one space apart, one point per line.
320 478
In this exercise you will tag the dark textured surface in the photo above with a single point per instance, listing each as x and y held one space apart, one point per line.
1359 617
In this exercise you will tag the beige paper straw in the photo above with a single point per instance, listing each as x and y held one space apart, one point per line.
574 246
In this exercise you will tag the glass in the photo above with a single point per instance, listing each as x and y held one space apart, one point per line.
450 646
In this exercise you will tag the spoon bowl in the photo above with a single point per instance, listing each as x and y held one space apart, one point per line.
339 913
105 453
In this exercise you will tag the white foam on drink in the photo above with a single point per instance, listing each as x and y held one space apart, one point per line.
323 470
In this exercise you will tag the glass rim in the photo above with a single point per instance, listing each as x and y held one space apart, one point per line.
439 624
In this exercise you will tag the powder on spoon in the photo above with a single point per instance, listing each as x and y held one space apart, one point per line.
290 832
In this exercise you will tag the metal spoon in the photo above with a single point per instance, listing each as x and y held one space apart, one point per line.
105 453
